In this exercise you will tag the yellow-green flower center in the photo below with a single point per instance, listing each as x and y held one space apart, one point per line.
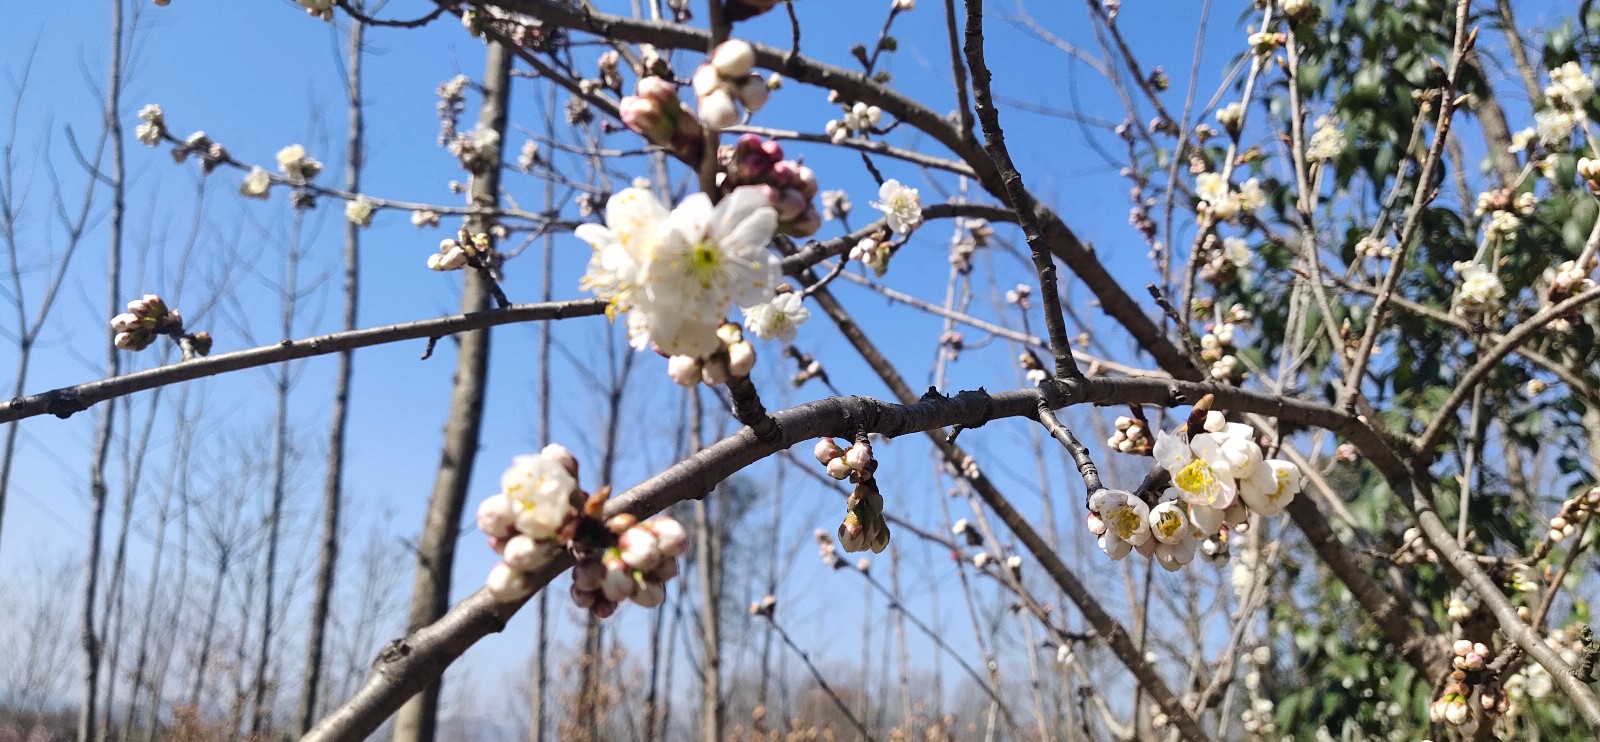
704 260
1282 477
1196 476
1168 523
1124 520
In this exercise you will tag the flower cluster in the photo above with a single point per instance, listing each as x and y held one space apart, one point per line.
1221 470
149 317
1480 290
863 527
637 568
256 184
1231 117
727 80
779 319
1327 142
1227 261
152 126
1468 660
478 151
1575 511
459 252
452 101
735 357
359 211
655 113
1565 101
1374 247
858 119
1220 203
901 206
675 273
790 187
1218 348
525 522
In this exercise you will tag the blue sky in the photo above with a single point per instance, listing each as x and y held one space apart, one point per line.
257 76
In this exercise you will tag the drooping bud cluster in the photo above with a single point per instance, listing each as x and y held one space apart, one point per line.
1227 261
478 151
1589 173
1568 279
858 119
1219 477
727 80
864 526
1217 347
790 187
1451 707
733 357
149 317
1130 436
531 516
1575 511
655 113
874 253
637 568
463 250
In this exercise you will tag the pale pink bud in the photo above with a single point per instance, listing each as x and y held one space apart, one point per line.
666 570
496 516
124 322
753 93
588 574
617 585
859 456
1096 526
717 109
507 584
741 359
733 59
1461 647
838 469
583 598
639 549
650 593
521 553
560 455
670 536
656 89
498 545
647 118
705 80
804 225
684 370
827 450
125 341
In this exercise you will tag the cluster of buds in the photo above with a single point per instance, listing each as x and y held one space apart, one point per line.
1131 436
149 317
1461 605
296 166
1589 173
1374 247
1480 290
1231 117
1469 660
808 367
1299 10
637 568
536 510
727 80
858 119
152 126
828 551
321 9
452 101
655 113
1505 199
461 251
873 252
1266 42
199 144
478 151
765 607
734 357
1217 348
421 218
1020 295
789 186
1227 261
1574 513
1568 279
1414 548
863 527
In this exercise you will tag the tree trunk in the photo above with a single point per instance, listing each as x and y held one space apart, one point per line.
436 550
327 559
102 437
706 544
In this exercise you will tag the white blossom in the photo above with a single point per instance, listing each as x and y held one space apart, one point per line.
778 319
256 184
1327 142
901 206
359 211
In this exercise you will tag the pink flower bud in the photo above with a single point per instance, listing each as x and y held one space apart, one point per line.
521 553
647 118
1096 526
617 585
650 593
560 455
827 450
733 59
805 181
126 341
838 469
717 109
639 549
670 536
496 517
656 89
859 456
497 544
125 322
507 584
666 570
772 149
741 358
684 370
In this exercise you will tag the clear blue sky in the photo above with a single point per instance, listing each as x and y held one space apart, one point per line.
259 75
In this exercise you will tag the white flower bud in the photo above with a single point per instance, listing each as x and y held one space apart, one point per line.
838 469
617 585
684 370
507 584
859 456
827 450
639 549
733 59
670 536
521 553
717 109
741 359
588 574
650 593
